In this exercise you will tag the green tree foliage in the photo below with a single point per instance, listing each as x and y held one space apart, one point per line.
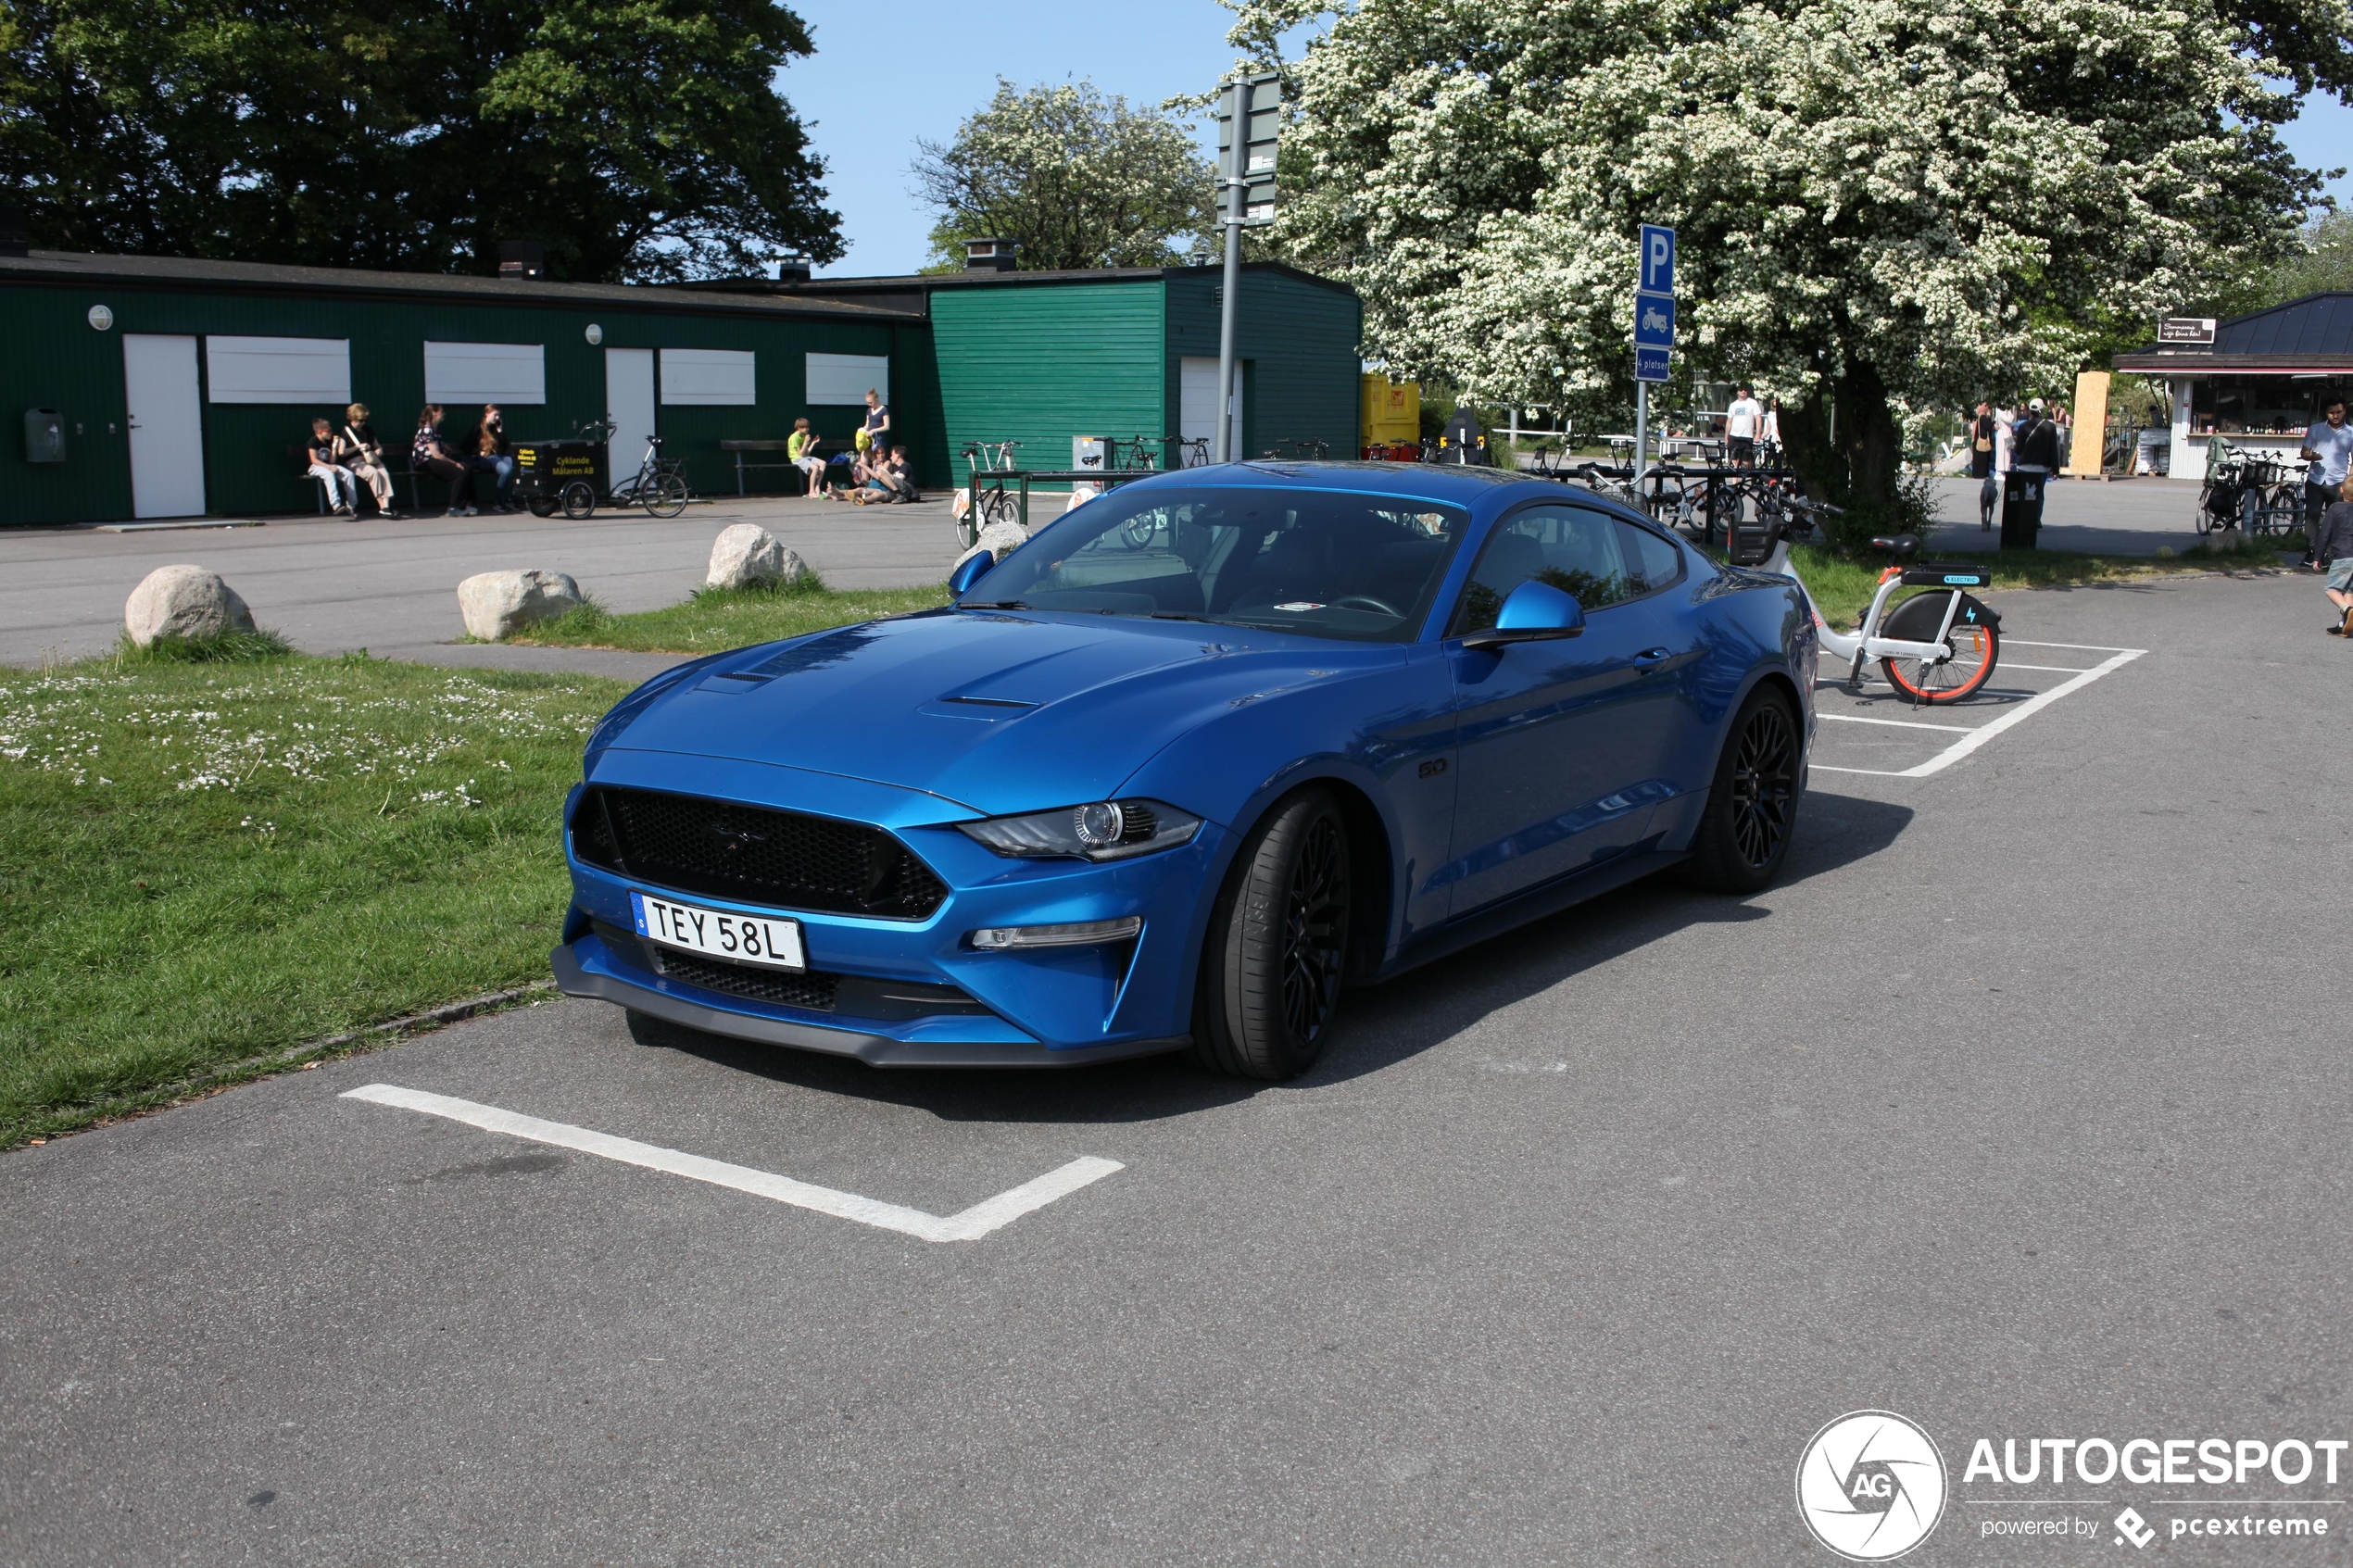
2325 262
636 139
1079 178
1884 205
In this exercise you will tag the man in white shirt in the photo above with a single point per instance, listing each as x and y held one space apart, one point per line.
1743 422
2328 446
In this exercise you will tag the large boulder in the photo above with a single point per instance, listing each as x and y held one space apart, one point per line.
746 554
496 604
183 602
998 540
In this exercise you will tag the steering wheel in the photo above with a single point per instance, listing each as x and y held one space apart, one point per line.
1366 601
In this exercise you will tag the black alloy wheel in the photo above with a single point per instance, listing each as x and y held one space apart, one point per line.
1744 833
1763 787
1314 930
1276 949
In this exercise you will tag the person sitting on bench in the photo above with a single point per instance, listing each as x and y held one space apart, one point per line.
426 454
801 450
357 449
338 479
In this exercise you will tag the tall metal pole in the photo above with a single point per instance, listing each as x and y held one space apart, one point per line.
1239 140
1642 433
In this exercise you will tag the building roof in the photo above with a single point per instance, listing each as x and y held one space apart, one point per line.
2314 333
254 277
912 291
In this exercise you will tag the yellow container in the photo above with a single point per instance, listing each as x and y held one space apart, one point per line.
1392 411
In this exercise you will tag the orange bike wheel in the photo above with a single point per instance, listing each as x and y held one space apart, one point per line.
1976 644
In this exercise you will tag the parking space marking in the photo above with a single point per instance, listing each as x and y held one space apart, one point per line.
2046 669
1892 723
978 1221
1979 734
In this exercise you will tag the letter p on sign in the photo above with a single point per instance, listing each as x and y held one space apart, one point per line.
1658 259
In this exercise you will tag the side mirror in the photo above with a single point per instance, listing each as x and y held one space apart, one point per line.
961 581
1533 612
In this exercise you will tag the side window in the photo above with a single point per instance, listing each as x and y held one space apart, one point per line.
1575 550
1652 563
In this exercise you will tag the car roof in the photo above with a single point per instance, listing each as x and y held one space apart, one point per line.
1464 486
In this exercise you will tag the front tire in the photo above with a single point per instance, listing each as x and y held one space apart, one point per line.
1276 945
1752 808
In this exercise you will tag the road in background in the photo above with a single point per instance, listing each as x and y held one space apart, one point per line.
2125 517
392 587
2017 1108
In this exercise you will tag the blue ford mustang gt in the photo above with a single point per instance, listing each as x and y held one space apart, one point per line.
1172 774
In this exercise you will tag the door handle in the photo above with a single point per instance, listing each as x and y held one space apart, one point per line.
1650 655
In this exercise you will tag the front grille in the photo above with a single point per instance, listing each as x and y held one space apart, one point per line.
808 988
753 855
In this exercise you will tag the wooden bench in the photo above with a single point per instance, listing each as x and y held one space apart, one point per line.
742 468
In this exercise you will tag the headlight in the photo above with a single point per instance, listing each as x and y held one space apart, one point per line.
1101 829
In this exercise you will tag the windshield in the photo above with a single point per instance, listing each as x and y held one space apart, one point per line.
1325 563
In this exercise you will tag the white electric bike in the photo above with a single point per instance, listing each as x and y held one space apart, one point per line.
1937 647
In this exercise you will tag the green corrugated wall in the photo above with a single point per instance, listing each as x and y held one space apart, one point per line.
55 359
1039 363
1298 344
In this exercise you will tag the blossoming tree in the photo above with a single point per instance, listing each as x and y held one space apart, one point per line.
1880 206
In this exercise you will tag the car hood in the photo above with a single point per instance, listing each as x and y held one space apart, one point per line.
993 710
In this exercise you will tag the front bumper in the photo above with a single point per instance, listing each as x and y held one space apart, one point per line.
1050 1007
575 978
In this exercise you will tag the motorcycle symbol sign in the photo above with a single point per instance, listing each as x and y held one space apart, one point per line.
1654 321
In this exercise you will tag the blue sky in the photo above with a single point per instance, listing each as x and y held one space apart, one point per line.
886 76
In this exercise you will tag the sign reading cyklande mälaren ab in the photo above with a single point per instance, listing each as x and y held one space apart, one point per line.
1872 1485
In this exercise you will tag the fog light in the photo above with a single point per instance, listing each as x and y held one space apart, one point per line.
1083 934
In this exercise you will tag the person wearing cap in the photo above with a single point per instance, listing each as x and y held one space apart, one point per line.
2034 457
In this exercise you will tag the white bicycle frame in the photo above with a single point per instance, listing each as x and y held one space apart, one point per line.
1865 646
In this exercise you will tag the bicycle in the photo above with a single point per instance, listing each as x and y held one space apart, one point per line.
993 504
2280 509
2231 495
1935 647
1187 451
659 485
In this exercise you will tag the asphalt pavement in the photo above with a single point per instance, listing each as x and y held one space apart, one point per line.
331 586
2018 1108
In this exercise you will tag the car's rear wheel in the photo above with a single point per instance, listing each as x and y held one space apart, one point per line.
1752 809
1276 945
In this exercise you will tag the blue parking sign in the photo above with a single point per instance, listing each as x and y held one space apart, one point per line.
1650 364
1654 321
1656 270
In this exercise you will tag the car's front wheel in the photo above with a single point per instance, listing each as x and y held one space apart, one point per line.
1277 945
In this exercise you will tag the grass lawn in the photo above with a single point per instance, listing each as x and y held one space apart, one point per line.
1843 587
203 861
717 619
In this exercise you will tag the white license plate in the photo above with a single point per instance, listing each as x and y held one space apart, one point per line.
719 933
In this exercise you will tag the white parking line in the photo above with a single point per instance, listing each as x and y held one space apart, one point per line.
2046 669
1978 737
1897 724
970 1225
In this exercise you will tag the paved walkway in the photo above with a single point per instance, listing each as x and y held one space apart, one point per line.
391 587
2129 517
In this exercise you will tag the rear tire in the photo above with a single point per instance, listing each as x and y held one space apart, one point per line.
1752 808
579 499
1276 945
1977 648
666 496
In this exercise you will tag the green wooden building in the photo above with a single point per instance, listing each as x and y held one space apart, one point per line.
163 387
1041 357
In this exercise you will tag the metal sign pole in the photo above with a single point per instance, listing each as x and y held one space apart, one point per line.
1235 185
1642 433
